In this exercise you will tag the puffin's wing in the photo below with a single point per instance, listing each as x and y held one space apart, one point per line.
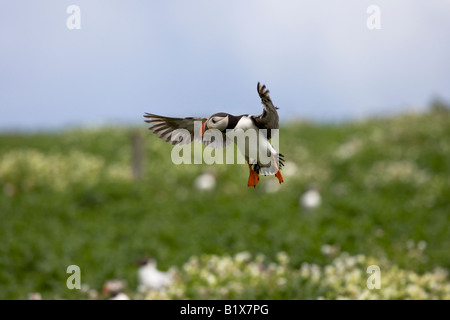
165 127
265 97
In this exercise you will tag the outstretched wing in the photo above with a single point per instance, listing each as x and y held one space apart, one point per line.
265 97
167 128
269 118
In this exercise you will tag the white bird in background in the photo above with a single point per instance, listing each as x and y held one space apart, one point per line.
311 199
114 289
150 278
205 181
120 296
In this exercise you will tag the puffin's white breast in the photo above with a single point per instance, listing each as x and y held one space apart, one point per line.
245 123
251 144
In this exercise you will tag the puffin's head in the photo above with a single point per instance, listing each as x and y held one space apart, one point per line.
217 121
113 287
146 260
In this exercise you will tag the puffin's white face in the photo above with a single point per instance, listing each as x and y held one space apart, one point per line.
216 122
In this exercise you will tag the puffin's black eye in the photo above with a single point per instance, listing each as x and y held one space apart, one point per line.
213 120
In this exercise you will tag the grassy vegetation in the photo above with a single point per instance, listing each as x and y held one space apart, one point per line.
70 198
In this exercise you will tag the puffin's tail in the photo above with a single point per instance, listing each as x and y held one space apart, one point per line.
276 164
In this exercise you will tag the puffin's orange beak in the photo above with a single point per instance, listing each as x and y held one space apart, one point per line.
203 128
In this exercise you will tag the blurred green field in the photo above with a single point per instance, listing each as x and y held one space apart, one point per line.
70 198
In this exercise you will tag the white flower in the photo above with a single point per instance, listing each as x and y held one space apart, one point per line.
282 258
421 245
348 149
329 250
242 256
281 281
211 279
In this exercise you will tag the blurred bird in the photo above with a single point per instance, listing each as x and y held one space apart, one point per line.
311 199
224 123
205 181
290 169
114 288
150 278
271 186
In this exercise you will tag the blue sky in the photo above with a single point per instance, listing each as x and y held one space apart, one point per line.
198 57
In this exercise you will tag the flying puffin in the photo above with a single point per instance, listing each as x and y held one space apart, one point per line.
226 124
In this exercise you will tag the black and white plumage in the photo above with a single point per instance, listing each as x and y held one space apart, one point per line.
229 128
114 289
150 278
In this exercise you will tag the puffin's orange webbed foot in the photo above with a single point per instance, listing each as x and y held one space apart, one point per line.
253 178
279 176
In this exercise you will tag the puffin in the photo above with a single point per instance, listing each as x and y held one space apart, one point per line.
150 278
114 288
230 128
